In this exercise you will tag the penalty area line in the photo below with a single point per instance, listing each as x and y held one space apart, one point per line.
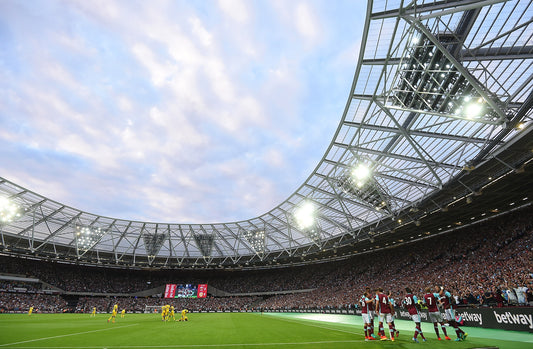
64 335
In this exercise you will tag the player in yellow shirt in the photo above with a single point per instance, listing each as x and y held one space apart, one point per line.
184 315
30 311
164 313
122 313
113 314
168 312
172 314
93 314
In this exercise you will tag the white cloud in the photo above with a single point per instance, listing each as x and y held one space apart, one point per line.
197 117
275 158
104 10
159 72
235 9
301 18
124 104
307 23
200 32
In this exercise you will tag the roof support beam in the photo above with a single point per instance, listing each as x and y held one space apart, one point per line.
414 10
410 140
479 54
466 7
60 229
395 156
44 218
415 132
497 53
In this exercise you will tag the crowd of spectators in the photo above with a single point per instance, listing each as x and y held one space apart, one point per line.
21 302
489 264
78 278
20 286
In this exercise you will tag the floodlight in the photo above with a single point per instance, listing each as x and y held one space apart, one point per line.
153 243
359 182
256 238
473 110
205 243
428 82
87 237
9 210
305 215
361 172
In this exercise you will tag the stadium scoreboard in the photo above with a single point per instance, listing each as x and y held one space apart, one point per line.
185 291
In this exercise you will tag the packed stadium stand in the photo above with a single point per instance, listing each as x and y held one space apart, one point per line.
488 264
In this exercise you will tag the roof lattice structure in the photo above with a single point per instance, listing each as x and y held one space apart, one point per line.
440 89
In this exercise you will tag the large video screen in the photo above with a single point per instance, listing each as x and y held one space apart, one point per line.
185 291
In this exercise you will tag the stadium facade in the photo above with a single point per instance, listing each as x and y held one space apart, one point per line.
435 135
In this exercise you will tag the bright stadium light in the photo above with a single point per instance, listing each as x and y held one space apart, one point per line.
428 82
256 238
305 215
9 210
473 110
87 237
361 173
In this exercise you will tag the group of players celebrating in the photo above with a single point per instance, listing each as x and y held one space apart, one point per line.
382 305
167 314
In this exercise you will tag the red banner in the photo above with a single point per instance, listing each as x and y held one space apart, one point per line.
202 291
170 290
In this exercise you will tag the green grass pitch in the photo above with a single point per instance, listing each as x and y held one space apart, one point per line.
224 330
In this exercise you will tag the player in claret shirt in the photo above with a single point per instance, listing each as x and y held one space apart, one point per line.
445 299
410 301
384 309
366 303
371 312
431 301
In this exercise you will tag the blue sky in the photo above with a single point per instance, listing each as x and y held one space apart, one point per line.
172 111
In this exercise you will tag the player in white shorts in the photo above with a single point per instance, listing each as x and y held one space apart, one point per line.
410 301
430 300
445 299
366 304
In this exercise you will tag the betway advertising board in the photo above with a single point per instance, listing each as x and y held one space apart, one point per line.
516 319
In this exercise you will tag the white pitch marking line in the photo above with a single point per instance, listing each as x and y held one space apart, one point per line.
198 345
65 335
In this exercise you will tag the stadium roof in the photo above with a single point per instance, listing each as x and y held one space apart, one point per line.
438 116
